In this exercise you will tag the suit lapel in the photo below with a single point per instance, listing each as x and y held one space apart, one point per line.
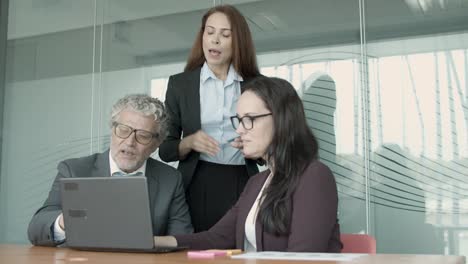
152 181
258 224
101 165
192 103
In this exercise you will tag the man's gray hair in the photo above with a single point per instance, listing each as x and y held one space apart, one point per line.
145 105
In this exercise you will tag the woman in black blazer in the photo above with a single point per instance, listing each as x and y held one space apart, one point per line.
200 101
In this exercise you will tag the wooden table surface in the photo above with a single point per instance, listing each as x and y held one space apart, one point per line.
25 254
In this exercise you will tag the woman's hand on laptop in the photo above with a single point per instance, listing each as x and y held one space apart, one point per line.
165 241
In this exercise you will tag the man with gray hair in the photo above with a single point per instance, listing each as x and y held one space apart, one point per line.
139 126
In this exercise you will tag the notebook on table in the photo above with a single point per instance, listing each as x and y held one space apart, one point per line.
108 214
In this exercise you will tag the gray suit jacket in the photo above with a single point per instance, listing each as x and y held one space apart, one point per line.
183 105
169 211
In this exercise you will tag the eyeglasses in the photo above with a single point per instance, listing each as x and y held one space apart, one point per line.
247 121
141 136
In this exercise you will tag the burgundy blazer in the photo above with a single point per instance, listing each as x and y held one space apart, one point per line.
314 223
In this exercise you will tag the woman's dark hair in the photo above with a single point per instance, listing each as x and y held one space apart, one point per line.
292 149
243 51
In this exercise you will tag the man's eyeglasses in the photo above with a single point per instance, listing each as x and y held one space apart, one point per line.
246 121
141 136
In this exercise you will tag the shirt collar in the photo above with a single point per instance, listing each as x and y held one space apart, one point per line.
207 73
114 168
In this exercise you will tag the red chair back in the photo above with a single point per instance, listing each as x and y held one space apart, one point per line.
358 243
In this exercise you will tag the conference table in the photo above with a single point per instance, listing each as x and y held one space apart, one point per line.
26 254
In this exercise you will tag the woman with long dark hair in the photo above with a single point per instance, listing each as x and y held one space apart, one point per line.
200 101
292 206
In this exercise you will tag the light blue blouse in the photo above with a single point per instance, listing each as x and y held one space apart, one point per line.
218 102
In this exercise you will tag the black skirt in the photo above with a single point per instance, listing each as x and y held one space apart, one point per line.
214 189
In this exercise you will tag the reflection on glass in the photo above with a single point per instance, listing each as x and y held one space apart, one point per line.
423 109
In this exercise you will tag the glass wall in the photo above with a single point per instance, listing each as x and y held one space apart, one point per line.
49 108
3 44
418 125
384 85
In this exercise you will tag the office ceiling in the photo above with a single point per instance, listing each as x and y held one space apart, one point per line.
155 32
37 17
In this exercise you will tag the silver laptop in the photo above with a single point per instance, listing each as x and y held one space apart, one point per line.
108 214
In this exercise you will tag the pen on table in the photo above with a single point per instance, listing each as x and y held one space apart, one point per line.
233 252
226 252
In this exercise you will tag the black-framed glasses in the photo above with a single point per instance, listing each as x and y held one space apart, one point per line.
246 121
141 136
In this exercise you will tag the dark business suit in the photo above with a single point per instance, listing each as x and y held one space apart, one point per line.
169 211
314 224
183 106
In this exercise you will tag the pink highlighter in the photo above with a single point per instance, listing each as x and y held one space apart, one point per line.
200 255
